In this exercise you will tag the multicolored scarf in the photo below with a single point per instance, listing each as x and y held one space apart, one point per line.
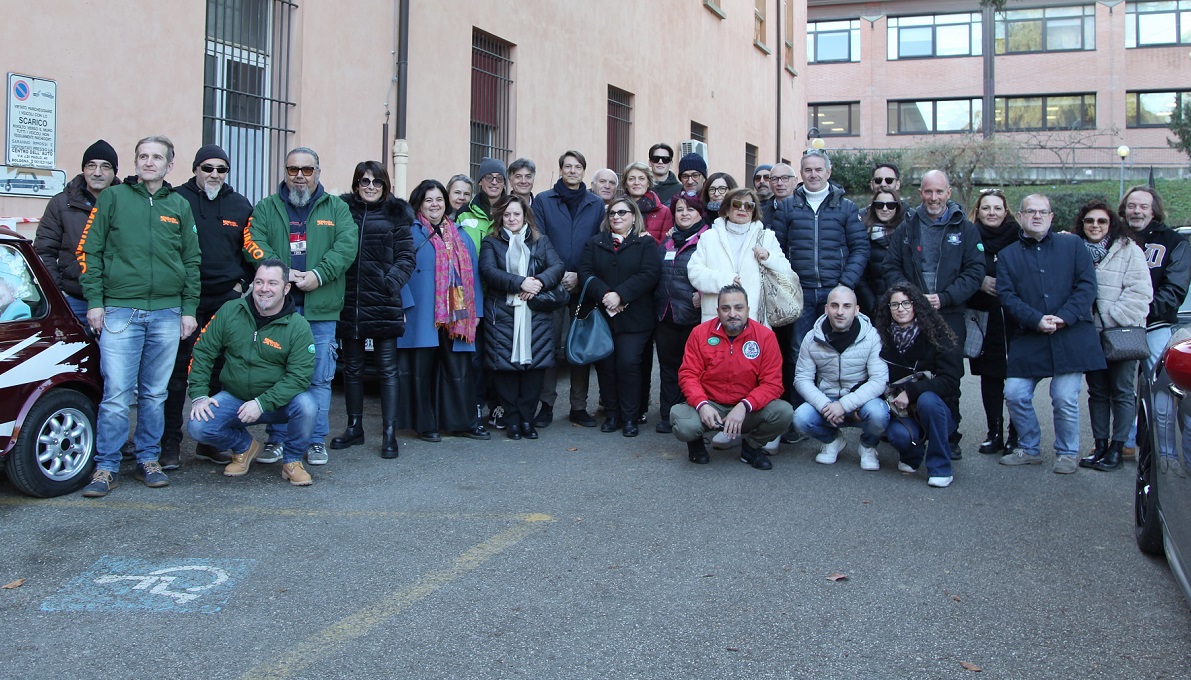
454 285
904 336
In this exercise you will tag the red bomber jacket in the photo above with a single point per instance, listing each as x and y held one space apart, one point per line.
727 370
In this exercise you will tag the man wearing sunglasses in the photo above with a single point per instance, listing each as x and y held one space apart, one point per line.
313 233
220 215
665 184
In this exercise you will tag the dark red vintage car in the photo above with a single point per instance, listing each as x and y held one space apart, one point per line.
49 378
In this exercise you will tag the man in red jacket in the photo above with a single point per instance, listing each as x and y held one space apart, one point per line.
731 376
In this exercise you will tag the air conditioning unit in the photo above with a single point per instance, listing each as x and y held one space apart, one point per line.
692 146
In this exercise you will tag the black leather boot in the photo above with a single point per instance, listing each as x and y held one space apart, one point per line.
995 441
353 394
1111 459
696 452
1098 452
1010 438
388 449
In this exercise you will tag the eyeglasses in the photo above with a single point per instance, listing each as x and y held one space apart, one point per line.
660 159
619 213
306 170
221 169
885 205
690 175
1030 212
494 178
884 180
780 178
1102 221
717 190
100 165
904 304
743 205
372 182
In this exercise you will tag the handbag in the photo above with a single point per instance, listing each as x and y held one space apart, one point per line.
1124 343
781 297
550 300
589 338
976 328
892 390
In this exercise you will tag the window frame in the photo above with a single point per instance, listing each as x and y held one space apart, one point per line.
1087 29
853 118
1181 13
620 128
975 107
1004 101
1133 97
853 41
894 27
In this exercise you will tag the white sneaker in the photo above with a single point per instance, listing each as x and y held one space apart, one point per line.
868 458
830 451
771 447
721 441
940 482
902 467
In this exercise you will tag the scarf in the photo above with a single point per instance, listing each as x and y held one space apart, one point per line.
454 287
646 203
903 336
998 238
572 198
1098 250
680 236
517 264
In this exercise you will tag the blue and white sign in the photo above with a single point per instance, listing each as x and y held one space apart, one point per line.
129 583
32 136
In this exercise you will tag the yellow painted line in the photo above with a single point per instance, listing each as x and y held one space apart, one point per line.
105 504
340 633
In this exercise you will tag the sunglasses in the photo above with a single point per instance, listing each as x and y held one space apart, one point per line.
743 205
221 169
885 205
371 182
1102 221
306 170
884 180
619 213
660 159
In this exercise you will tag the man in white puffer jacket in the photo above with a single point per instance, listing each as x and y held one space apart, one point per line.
841 376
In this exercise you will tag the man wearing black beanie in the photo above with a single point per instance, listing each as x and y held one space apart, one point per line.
61 226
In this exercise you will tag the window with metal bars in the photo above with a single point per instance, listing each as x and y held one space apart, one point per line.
750 163
620 128
698 132
246 94
491 98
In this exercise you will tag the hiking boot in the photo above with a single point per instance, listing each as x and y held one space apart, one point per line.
295 474
242 461
150 473
102 483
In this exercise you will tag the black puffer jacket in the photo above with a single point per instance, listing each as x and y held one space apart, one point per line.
825 248
59 231
673 299
372 305
545 266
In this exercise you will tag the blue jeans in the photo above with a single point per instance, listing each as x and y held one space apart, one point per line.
1064 397
79 307
814 302
874 416
225 431
933 424
325 354
136 350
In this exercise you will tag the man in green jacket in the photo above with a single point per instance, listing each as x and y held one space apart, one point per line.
139 257
312 232
269 361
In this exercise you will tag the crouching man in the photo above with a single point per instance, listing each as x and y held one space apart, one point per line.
269 362
731 375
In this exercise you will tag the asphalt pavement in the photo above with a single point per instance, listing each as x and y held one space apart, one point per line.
585 555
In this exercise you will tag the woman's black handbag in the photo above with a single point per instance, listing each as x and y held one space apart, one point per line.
1124 343
590 338
550 300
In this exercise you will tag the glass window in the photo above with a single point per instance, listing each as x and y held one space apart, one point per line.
833 41
943 35
835 120
1152 109
20 297
1046 112
1157 23
1053 29
934 116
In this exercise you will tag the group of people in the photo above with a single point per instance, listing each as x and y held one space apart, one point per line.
466 293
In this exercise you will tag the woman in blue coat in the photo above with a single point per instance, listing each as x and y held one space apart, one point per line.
443 307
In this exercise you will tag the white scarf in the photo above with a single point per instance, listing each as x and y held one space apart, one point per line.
517 263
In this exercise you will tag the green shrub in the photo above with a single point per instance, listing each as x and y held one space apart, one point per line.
852 169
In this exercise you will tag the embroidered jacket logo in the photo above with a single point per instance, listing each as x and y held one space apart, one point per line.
167 218
272 343
325 223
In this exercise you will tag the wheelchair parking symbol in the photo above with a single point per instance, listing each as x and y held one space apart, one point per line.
123 583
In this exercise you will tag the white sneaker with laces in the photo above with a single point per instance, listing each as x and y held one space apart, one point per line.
940 482
902 467
830 451
868 458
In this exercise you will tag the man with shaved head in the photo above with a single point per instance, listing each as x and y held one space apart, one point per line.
938 249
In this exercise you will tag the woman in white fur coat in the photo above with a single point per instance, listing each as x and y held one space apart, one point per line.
734 250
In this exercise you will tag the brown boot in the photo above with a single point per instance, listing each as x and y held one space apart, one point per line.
242 461
295 474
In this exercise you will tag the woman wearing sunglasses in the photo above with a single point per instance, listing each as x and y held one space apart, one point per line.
623 264
884 214
372 305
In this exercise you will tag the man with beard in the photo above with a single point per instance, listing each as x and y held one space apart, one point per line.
731 376
761 182
220 214
270 360
312 232
61 226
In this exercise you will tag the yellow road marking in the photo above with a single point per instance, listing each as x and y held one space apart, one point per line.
340 633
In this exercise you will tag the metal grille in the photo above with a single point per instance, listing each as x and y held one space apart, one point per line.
750 163
620 128
698 132
246 93
491 95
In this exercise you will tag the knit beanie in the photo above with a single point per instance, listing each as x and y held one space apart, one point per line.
101 151
692 161
491 165
762 167
209 151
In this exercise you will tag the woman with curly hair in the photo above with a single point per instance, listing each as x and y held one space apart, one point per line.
924 371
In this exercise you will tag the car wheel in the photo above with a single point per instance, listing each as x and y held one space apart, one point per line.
55 451
1147 527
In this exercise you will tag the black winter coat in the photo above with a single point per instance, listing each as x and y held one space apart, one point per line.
946 367
631 271
961 264
673 298
872 285
825 248
220 224
372 306
995 350
59 231
545 266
